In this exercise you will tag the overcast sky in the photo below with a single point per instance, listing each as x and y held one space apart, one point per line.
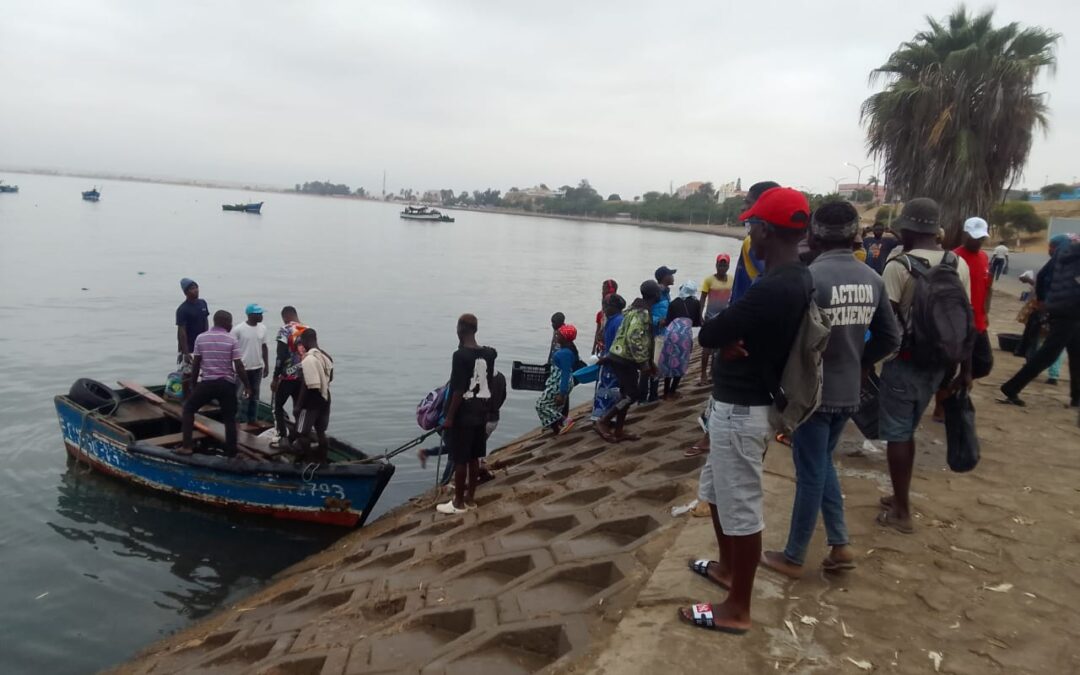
468 95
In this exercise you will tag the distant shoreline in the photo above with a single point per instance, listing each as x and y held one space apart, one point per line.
733 231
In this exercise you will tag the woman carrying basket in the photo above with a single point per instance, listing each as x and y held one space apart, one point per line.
552 403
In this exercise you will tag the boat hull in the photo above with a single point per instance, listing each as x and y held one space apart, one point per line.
426 216
335 494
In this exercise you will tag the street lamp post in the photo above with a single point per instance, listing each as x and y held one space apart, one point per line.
859 169
836 183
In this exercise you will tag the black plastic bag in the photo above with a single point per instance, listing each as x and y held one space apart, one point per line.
866 419
963 443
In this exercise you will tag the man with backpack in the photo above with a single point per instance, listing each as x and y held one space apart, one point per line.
1063 308
852 296
630 357
930 291
754 338
467 414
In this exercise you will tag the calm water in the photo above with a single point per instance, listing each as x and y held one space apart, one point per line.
93 569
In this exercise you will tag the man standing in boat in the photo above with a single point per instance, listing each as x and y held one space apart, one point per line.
191 322
287 371
216 366
314 397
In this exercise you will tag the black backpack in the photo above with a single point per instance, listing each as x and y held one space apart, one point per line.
940 330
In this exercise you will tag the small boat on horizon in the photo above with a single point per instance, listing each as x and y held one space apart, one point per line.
92 195
425 213
254 207
130 434
8 188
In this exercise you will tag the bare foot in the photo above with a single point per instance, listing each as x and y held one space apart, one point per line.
621 436
776 561
605 432
422 456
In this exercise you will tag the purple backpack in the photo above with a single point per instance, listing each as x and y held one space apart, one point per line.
429 414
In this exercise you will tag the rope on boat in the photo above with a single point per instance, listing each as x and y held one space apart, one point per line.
86 416
410 445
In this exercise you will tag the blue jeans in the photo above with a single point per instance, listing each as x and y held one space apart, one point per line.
816 486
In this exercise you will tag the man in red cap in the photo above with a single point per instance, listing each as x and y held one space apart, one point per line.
715 295
753 337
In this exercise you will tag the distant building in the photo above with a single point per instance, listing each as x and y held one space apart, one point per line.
690 188
729 190
533 194
848 191
1071 194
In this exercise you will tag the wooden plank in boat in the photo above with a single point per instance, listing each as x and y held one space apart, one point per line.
210 427
171 439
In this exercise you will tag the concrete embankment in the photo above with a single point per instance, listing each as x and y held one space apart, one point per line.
573 563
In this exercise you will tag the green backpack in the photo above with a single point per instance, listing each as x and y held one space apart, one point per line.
634 340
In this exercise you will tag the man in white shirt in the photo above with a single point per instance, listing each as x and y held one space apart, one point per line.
999 262
251 335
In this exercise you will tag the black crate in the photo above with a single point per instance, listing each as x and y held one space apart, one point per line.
529 376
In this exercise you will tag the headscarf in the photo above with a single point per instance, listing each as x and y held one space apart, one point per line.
1058 240
688 289
568 332
610 286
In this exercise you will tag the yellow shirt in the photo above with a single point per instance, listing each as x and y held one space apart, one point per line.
718 294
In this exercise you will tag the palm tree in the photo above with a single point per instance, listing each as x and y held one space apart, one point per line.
956 118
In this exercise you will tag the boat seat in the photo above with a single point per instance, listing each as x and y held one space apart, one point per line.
172 439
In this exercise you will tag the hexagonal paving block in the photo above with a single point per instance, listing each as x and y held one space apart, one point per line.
534 533
303 611
487 577
516 649
578 499
420 637
606 537
568 588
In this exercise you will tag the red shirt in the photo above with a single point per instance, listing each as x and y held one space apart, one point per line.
979 266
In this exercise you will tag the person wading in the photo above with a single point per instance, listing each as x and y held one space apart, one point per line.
853 297
216 366
755 336
471 373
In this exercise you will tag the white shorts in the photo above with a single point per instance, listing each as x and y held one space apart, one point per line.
731 477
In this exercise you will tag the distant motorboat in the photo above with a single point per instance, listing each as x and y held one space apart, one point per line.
246 208
425 213
8 188
91 195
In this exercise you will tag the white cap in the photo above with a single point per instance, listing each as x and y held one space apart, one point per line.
977 228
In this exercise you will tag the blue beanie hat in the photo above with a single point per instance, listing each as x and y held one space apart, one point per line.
186 283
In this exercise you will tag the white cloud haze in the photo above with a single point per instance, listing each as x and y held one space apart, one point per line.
469 95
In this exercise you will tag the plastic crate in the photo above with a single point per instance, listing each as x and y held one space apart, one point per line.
529 376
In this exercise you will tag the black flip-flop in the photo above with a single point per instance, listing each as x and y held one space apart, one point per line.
701 616
701 568
1013 400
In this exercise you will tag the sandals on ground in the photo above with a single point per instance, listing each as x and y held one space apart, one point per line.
701 615
701 568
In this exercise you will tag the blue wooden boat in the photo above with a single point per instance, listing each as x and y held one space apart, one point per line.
254 207
131 433
8 188
91 195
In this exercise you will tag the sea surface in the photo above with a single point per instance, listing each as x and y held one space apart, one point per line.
94 569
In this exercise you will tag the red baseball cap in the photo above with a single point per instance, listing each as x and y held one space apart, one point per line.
781 207
723 256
